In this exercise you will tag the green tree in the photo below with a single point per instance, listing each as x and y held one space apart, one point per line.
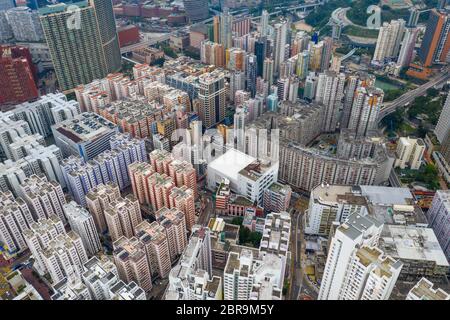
237 221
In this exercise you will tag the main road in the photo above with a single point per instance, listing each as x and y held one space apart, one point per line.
409 96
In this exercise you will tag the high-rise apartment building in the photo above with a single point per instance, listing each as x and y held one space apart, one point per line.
250 277
442 128
16 78
370 275
212 53
357 231
408 44
184 174
235 59
268 70
409 153
122 215
82 222
132 263
174 222
15 218
44 198
436 40
25 24
424 290
48 110
366 106
225 29
59 253
98 199
154 239
160 187
388 42
91 41
183 199
191 278
276 237
279 45
302 64
109 166
264 23
330 92
212 96
277 197
439 219
140 172
326 54
101 278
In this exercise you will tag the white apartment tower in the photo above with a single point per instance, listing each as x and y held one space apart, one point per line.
409 153
370 275
15 218
44 198
352 234
82 222
389 39
55 252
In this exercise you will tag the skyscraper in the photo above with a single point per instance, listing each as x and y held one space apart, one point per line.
264 23
15 218
330 91
196 10
268 70
260 52
439 218
365 109
85 49
132 262
443 126
82 222
436 40
405 55
389 39
108 33
226 25
16 77
355 232
302 64
279 45
326 54
212 97
25 24
250 73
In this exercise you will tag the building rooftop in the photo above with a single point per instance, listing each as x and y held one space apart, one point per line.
231 163
412 243
424 291
85 127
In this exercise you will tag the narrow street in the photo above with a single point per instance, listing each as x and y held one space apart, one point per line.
300 288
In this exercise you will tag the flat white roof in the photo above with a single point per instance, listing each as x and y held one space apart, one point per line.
230 163
413 243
